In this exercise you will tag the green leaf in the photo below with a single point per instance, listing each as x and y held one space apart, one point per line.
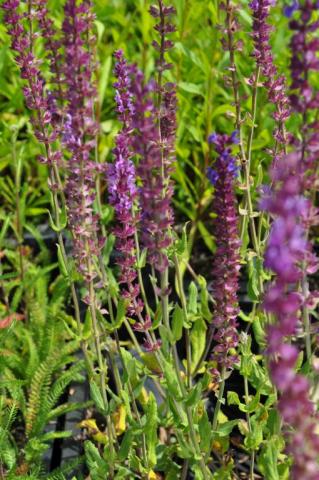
171 380
259 329
268 459
253 288
207 237
177 323
205 433
142 260
194 396
62 220
120 313
192 299
254 438
232 398
222 109
182 246
151 429
87 327
198 341
204 299
62 265
104 78
4 229
191 88
224 429
126 445
97 396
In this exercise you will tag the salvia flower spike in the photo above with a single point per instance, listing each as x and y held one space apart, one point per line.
37 98
121 179
159 237
274 83
289 256
304 47
79 134
227 259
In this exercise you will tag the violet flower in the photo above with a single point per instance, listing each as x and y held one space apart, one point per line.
155 208
34 91
123 193
227 259
122 187
275 84
79 137
53 50
291 8
161 191
304 48
289 256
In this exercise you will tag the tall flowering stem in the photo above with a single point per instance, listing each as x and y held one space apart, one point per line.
121 178
227 259
304 49
39 101
166 126
145 143
274 83
80 135
36 96
123 193
231 44
290 257
53 46
160 237
45 122
305 100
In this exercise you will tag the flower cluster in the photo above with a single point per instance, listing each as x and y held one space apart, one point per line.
153 204
290 257
161 191
53 49
122 186
79 132
304 59
73 123
227 259
36 97
275 84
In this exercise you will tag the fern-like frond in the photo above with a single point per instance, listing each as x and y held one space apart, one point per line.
67 468
68 407
59 386
38 391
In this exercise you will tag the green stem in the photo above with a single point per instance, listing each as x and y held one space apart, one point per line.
139 271
219 399
247 165
184 307
102 371
306 317
252 453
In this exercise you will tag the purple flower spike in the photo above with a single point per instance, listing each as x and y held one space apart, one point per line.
304 48
227 260
156 215
36 97
275 84
79 134
160 190
121 178
288 255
